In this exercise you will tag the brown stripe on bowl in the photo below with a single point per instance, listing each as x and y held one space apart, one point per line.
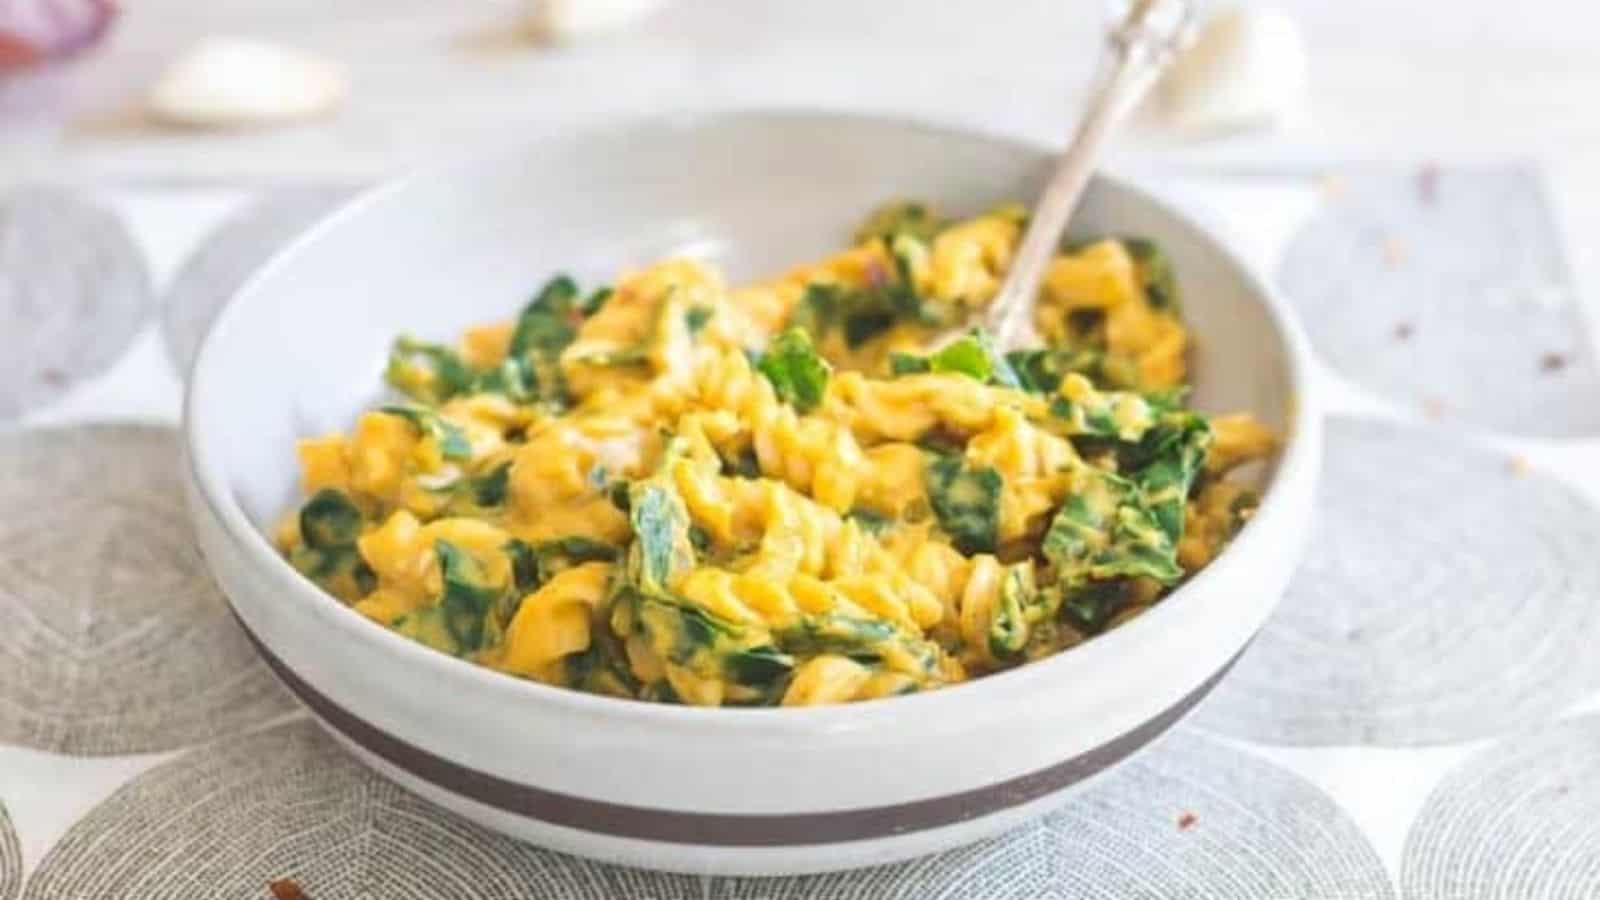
725 829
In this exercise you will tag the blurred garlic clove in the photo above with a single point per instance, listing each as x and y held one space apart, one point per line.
563 20
1247 69
231 83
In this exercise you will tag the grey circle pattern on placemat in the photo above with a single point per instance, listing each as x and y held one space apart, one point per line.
74 292
113 638
1519 819
230 255
1445 596
1191 818
1448 290
10 858
287 803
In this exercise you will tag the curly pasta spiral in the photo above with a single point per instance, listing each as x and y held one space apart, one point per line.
553 623
809 453
785 535
990 606
910 407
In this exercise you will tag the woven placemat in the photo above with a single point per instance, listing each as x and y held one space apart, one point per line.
1192 818
1517 820
10 858
1447 290
112 637
74 291
1448 593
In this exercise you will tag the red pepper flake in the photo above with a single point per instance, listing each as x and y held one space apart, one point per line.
1404 331
286 889
1428 184
1552 362
1187 820
1434 408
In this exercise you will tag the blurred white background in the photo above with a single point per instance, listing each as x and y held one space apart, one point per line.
1449 80
1388 78
1415 80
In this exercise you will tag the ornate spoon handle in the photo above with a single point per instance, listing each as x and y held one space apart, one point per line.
1149 35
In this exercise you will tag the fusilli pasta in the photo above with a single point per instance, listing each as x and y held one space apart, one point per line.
814 489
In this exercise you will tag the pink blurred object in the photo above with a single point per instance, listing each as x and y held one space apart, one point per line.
36 31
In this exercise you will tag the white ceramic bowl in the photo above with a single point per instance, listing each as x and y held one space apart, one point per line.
753 791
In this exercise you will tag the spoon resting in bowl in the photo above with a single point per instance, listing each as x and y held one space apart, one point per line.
1146 39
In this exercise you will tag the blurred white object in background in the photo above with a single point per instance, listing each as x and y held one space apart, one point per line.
1247 69
232 82
563 20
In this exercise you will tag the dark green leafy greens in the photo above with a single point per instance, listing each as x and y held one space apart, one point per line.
1040 371
432 374
489 489
797 372
1089 606
867 641
871 522
862 314
513 378
532 565
428 372
900 218
452 441
966 501
696 318
745 464
1008 630
764 666
1155 271
1129 527
643 600
329 520
661 545
1175 452
546 324
330 523
974 355
601 668
592 303
467 596
1105 532
471 495
469 613
1112 415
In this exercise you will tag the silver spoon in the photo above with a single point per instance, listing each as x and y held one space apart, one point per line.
1149 35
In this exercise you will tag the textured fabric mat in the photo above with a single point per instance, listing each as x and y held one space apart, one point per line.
1448 291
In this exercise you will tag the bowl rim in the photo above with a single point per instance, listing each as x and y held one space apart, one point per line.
1298 459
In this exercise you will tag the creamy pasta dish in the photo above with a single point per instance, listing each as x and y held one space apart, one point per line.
819 488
